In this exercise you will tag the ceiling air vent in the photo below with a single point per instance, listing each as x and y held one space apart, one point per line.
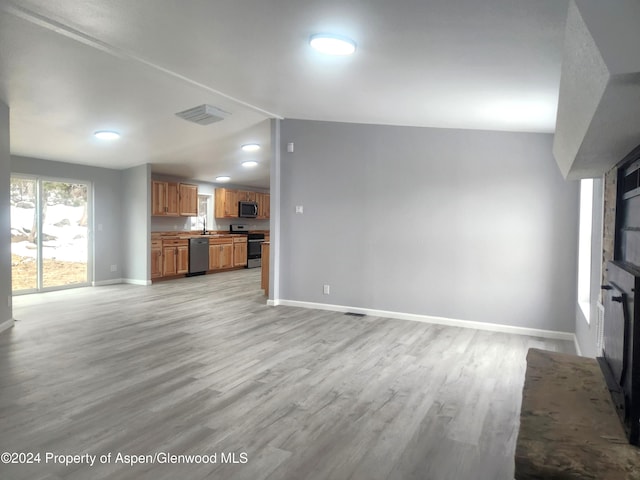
203 114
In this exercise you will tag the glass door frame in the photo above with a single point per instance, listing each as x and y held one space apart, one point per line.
40 179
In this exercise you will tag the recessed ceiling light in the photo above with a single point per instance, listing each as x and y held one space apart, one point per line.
332 44
223 178
107 135
250 164
250 147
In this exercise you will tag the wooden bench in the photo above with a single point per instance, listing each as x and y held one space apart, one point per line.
569 428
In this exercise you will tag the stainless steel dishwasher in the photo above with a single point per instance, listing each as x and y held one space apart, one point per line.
198 256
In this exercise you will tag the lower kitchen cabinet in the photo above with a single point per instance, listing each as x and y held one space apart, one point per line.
156 258
220 254
240 252
175 257
170 254
169 265
183 259
264 280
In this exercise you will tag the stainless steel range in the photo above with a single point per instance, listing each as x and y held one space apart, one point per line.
254 244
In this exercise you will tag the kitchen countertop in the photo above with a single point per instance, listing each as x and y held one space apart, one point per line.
188 235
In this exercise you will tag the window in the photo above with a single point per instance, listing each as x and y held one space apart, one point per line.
205 213
584 247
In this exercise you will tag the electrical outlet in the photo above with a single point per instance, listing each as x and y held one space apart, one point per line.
326 289
114 268
299 209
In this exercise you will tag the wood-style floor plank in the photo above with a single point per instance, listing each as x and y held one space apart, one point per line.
201 366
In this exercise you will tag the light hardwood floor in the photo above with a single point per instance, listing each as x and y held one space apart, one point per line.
201 366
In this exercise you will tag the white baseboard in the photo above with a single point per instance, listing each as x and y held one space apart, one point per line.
115 281
577 345
6 325
135 281
112 281
492 327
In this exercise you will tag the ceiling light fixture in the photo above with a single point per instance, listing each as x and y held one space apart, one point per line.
250 164
332 44
106 135
250 147
223 178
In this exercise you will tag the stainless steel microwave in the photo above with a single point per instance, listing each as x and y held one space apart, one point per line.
247 209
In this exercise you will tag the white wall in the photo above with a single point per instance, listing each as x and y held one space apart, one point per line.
6 315
106 184
468 225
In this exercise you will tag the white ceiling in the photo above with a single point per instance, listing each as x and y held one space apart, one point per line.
70 67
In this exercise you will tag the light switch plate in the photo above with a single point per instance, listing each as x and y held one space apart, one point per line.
299 209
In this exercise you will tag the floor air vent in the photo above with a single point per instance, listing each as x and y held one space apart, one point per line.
203 114
351 314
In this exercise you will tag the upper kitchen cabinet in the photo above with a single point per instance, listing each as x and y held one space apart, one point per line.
245 196
188 200
264 206
226 202
172 199
164 198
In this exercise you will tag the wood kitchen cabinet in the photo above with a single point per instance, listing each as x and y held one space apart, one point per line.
164 198
175 257
172 199
183 259
246 196
226 202
220 253
239 251
264 207
264 277
188 200
159 198
156 258
169 265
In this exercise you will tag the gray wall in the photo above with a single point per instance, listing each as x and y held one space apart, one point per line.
107 200
468 225
136 224
5 220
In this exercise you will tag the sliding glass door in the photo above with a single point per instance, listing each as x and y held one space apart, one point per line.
49 234
24 234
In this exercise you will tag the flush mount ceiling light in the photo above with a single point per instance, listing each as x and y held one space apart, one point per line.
107 135
332 44
250 164
223 178
250 147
